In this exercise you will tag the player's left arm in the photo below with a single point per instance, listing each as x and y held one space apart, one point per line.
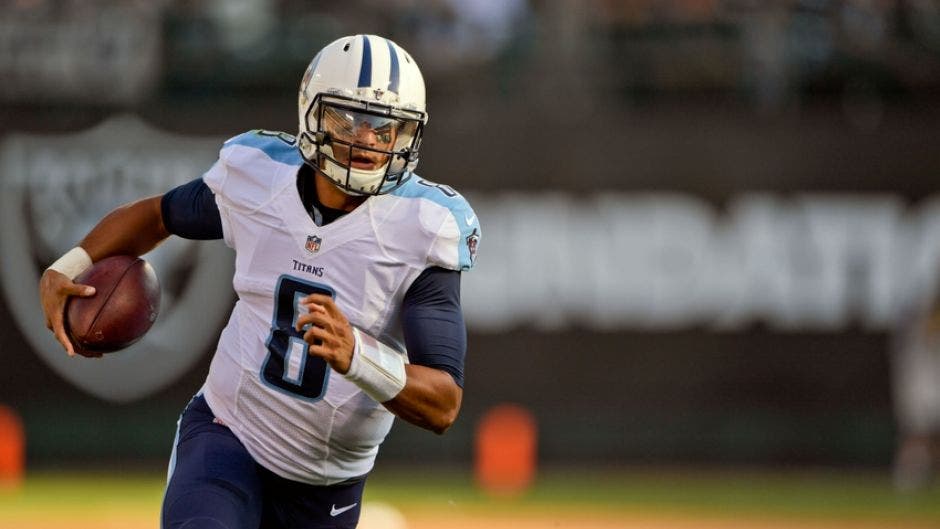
428 391
436 339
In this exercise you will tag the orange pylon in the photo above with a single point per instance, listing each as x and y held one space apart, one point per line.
506 450
12 449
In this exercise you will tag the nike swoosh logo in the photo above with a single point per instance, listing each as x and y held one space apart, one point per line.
336 512
470 219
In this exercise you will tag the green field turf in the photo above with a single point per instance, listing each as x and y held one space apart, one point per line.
814 494
804 495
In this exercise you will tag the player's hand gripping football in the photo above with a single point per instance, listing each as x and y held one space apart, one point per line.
54 291
329 334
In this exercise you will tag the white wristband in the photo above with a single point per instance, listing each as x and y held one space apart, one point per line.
376 368
73 263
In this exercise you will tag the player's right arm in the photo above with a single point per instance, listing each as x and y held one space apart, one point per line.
132 229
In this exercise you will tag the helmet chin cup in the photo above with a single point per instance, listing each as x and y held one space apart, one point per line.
350 179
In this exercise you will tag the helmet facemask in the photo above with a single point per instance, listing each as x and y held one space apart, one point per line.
364 148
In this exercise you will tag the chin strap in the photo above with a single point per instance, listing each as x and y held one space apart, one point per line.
376 368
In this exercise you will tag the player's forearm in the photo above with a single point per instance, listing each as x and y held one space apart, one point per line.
132 229
430 399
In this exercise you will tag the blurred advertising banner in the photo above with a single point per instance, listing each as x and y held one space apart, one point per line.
701 317
670 261
549 261
55 188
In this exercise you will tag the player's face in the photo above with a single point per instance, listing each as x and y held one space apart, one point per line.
360 129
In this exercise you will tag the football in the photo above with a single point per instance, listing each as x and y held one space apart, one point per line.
125 305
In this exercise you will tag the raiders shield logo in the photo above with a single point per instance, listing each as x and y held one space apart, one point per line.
53 189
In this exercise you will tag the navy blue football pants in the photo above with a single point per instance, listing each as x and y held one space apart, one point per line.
215 484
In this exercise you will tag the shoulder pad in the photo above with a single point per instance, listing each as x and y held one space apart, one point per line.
252 167
278 146
459 236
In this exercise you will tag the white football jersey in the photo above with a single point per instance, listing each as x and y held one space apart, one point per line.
295 415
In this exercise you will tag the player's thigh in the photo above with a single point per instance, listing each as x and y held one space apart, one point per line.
213 481
292 505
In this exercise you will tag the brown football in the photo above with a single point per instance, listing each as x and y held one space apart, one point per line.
124 307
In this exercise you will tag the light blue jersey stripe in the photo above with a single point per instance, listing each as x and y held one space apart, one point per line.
273 144
171 468
466 219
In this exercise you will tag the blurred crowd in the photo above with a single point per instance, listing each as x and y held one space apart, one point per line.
770 53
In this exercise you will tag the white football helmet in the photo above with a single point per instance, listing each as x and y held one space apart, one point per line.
362 113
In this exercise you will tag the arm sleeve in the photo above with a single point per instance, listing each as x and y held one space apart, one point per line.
191 212
456 242
432 321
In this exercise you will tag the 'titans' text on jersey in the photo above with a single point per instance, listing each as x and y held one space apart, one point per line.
293 413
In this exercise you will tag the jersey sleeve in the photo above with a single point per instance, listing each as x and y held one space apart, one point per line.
252 168
249 166
214 179
455 244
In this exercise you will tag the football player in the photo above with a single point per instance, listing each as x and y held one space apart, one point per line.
347 270
915 359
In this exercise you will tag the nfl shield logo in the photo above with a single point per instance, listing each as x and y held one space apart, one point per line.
313 243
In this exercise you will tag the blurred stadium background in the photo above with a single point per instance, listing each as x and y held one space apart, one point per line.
702 220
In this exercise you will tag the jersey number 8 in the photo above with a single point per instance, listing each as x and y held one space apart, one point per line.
288 367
